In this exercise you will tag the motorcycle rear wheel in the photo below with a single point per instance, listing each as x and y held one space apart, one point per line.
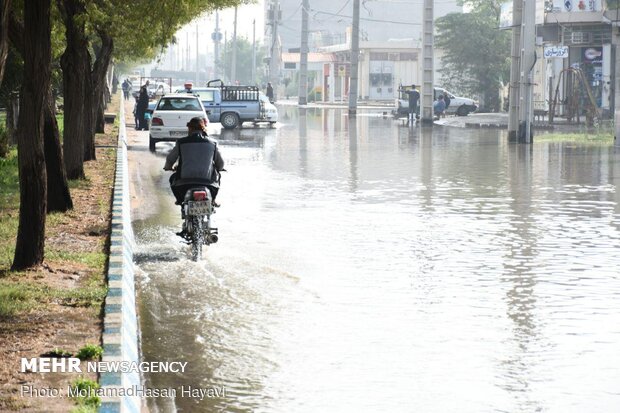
198 238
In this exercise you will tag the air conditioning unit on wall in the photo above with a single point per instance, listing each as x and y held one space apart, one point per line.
580 37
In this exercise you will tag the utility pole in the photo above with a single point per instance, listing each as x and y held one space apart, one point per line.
225 57
528 59
197 65
253 80
274 61
355 54
426 109
303 58
217 37
515 55
233 65
616 40
187 66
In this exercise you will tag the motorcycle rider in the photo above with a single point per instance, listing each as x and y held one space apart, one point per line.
199 162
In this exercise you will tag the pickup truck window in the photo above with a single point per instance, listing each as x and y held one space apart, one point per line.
178 104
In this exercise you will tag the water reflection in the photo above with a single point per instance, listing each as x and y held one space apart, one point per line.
518 369
366 266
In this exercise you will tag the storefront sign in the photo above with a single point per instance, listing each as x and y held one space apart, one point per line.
576 5
553 52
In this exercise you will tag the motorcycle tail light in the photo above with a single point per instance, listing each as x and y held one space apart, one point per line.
200 195
157 122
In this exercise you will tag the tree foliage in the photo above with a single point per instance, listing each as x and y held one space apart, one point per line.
244 61
81 37
477 53
142 28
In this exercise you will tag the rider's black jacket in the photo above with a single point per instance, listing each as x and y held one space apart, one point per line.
199 161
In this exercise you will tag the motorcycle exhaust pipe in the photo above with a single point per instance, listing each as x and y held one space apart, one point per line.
212 238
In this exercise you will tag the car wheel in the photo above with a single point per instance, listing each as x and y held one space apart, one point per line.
152 143
462 111
229 120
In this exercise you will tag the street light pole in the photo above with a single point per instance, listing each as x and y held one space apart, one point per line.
253 52
197 66
216 46
233 65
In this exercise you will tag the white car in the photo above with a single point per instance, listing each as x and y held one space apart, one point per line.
271 112
459 105
170 117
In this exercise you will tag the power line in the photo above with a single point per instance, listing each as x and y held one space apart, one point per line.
366 19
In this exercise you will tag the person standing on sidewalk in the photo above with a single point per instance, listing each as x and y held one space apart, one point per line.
439 107
414 98
141 107
269 92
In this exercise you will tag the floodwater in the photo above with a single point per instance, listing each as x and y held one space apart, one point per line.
364 266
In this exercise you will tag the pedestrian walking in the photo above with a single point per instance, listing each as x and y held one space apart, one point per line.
126 86
269 92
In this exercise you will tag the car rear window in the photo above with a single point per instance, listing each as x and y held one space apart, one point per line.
188 103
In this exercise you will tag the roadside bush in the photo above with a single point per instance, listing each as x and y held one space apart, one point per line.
86 390
4 141
89 352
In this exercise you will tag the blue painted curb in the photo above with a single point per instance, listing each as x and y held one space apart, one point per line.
120 331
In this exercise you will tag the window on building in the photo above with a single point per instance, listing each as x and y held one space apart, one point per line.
288 65
378 56
409 56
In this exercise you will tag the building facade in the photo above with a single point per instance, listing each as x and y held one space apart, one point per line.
576 69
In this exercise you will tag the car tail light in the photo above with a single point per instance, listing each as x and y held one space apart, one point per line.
200 195
157 122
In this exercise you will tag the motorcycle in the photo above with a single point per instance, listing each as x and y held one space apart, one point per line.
196 211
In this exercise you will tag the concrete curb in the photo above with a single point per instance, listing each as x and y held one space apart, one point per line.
120 325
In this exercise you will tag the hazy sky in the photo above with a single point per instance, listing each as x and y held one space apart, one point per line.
245 16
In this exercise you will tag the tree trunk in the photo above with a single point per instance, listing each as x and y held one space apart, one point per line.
4 35
58 195
100 79
75 64
30 244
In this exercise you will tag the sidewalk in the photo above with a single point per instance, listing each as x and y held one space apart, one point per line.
500 121
473 120
361 104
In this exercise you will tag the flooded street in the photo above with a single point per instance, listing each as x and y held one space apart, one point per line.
364 266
